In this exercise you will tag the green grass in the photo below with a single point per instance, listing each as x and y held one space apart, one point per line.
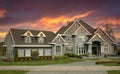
110 64
12 72
114 72
40 62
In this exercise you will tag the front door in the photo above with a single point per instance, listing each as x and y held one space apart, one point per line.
94 50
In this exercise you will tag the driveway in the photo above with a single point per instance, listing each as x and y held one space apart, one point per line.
84 67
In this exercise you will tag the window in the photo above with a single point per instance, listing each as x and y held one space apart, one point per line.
82 38
40 40
47 52
70 48
28 38
21 53
27 53
40 52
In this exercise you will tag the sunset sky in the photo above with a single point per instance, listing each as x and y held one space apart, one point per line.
53 14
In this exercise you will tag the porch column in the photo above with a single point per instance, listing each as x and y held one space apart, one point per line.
90 48
53 51
102 49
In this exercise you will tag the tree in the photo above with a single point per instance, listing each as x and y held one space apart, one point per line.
2 49
109 30
15 55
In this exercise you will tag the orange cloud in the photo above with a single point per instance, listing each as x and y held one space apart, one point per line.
111 21
2 34
53 23
2 13
117 35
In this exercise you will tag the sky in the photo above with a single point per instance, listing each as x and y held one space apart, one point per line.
53 14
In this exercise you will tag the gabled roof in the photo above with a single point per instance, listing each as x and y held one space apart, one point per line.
88 27
85 25
104 35
97 36
59 35
19 39
64 28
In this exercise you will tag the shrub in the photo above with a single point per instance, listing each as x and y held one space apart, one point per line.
35 55
105 56
15 55
79 56
70 54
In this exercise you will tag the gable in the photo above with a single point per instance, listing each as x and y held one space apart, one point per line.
41 34
72 28
97 37
81 30
104 35
28 32
58 38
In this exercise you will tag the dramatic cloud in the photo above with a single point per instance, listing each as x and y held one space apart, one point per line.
110 21
113 22
52 14
54 23
2 13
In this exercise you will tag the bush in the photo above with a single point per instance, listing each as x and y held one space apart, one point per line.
61 57
15 55
105 56
70 54
35 55
79 56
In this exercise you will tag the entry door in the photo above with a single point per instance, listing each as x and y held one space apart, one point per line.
94 50
58 51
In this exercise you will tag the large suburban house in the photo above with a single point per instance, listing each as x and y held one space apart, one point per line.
76 37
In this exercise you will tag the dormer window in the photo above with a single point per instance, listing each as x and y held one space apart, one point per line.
28 38
40 40
41 37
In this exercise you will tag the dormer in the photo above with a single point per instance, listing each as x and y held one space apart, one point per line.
27 37
41 37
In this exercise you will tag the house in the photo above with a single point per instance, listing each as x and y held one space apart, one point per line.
76 37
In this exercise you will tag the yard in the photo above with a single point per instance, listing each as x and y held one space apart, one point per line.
12 72
40 62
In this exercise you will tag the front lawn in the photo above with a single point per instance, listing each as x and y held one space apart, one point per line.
40 62
12 72
114 72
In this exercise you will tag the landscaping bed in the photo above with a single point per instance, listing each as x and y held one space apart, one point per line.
114 72
109 62
39 62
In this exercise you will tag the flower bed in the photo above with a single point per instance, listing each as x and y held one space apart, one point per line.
107 61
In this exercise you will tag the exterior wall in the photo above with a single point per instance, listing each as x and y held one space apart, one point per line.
80 40
9 49
27 52
58 43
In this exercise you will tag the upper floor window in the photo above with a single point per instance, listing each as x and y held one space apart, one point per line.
28 38
40 40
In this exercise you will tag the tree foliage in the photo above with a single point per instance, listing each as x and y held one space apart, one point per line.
15 55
